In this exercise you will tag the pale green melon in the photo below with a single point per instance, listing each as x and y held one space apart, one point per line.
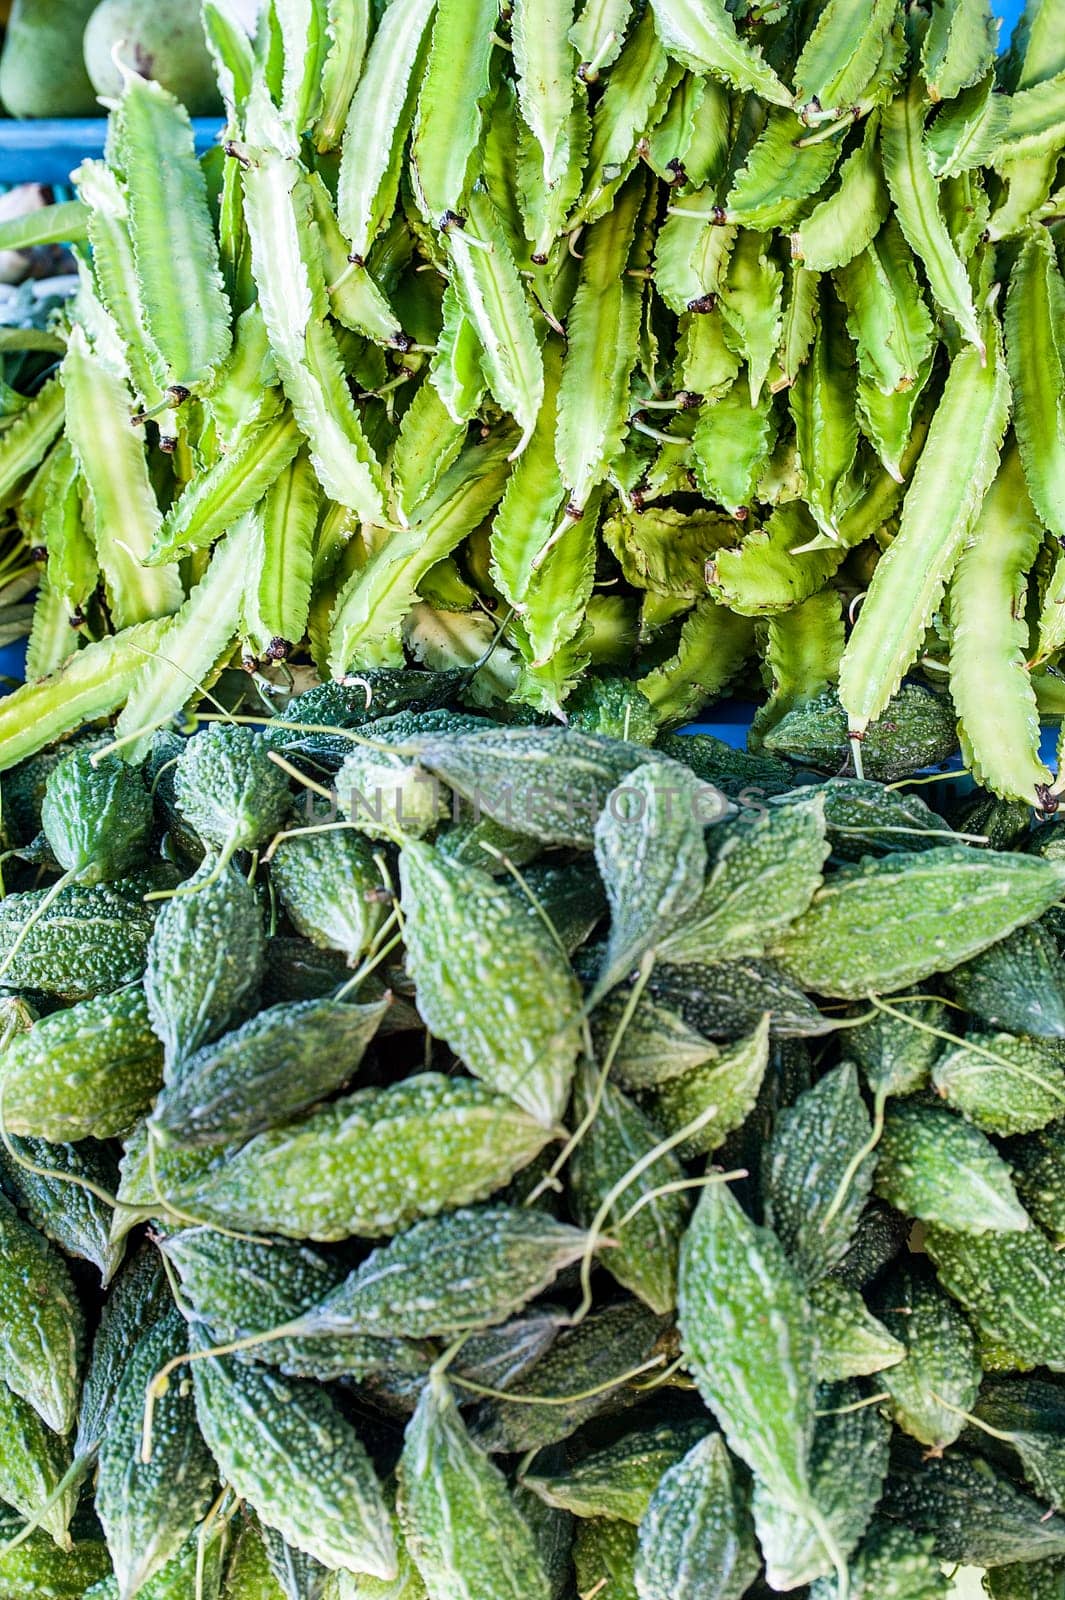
160 39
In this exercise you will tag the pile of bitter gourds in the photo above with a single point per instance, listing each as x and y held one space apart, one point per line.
689 338
454 1159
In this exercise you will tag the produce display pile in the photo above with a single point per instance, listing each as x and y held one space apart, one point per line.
459 1138
696 341
523 1162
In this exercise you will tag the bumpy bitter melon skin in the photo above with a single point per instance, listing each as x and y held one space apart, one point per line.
1028 1580
747 1336
468 1538
229 791
895 1057
91 940
74 1218
137 1300
97 817
42 1328
891 1563
726 999
286 1449
460 1272
481 966
644 1257
373 1162
1011 1284
651 854
657 1044
1004 1083
696 1539
1018 986
33 1461
1030 1411
883 924
763 875
604 1555
620 1479
863 818
236 1288
148 1509
940 1376
331 889
39 1570
204 961
975 1514
918 729
280 1062
717 1096
609 1343
848 1462
1038 1162
933 1165
851 1342
613 708
86 1072
549 781
813 1146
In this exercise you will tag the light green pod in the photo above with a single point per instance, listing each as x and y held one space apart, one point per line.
378 122
958 47
494 302
956 468
916 199
841 56
112 462
822 403
287 263
602 330
447 127
704 37
848 219
990 682
174 245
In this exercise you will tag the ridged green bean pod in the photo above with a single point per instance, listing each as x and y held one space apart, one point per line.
1035 351
370 608
348 27
989 678
292 292
450 115
703 36
125 514
848 219
187 652
958 47
234 485
841 56
956 469
913 190
601 332
281 561
384 104
175 250
26 441
493 299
